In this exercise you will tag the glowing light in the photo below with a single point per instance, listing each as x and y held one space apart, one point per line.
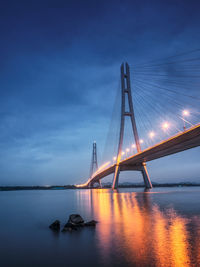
133 146
101 168
82 185
123 153
151 134
141 141
114 158
165 125
127 150
186 112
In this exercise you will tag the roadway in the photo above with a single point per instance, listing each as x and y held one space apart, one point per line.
190 138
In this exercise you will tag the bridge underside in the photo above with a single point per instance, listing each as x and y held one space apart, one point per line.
111 170
180 142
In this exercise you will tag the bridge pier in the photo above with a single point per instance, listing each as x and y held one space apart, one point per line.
91 184
116 177
142 168
145 175
100 185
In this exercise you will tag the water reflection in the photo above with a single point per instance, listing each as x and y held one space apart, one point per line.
134 229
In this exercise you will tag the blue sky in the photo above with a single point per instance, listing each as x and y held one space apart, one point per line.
59 73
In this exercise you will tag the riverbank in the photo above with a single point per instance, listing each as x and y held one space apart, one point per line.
107 185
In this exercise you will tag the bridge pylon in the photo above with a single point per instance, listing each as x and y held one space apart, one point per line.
126 91
94 163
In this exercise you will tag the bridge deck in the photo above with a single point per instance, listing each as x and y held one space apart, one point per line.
179 142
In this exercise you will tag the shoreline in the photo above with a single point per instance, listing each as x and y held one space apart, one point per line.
65 187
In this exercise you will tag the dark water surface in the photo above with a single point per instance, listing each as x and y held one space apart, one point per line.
136 228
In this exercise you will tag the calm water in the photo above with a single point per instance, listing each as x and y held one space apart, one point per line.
136 228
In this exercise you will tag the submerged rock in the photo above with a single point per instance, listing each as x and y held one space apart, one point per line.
67 228
91 223
55 226
76 219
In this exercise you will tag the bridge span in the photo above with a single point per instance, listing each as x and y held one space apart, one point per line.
187 139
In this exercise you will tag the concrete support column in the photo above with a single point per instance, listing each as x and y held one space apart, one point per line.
145 175
116 177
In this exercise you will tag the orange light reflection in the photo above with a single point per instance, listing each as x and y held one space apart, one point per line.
146 235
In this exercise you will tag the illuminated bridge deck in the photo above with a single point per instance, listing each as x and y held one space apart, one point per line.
179 142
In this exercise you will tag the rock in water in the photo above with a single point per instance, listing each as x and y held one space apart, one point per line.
68 227
76 219
91 223
55 225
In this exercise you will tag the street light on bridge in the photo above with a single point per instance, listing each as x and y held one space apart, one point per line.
151 134
127 150
165 125
133 146
185 113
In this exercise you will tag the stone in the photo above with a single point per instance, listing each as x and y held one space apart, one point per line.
69 227
91 223
76 219
55 226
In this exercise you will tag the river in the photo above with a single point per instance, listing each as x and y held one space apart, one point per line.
135 227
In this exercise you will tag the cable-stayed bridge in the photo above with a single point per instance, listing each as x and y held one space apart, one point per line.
183 139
